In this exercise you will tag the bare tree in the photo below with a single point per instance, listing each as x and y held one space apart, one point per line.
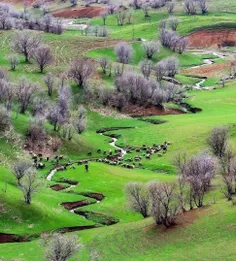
124 52
164 203
5 121
137 197
80 122
47 22
173 23
171 65
81 70
49 80
29 185
146 68
104 63
198 172
218 140
43 57
25 42
182 44
24 93
111 8
7 93
104 17
14 61
62 247
190 7
150 48
20 168
160 71
170 6
203 6
120 17
137 4
146 9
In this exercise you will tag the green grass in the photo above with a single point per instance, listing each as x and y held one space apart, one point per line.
186 59
133 238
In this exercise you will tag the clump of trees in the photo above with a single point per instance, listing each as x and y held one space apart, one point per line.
191 6
12 18
171 39
26 42
218 142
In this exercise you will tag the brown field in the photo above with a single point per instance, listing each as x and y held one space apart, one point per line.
80 12
209 38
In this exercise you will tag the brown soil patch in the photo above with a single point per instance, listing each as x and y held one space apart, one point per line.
141 111
77 204
58 187
74 229
212 70
82 12
94 195
208 38
183 220
10 238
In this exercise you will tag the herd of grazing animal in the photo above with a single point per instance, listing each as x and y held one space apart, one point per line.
135 161
115 159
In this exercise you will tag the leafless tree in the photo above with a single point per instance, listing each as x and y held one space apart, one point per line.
171 66
120 17
47 22
25 42
173 23
190 7
43 57
40 106
104 63
62 247
162 24
5 122
218 140
6 22
14 61
111 8
137 4
20 168
49 80
81 70
124 52
182 44
80 122
150 48
146 68
170 6
160 71
164 203
137 197
29 184
24 93
203 6
146 9
7 93
104 17
198 172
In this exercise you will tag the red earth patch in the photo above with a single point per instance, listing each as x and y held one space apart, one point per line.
208 38
82 12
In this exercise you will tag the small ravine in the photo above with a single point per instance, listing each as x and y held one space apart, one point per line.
206 62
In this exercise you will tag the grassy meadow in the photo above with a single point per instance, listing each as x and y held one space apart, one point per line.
203 234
